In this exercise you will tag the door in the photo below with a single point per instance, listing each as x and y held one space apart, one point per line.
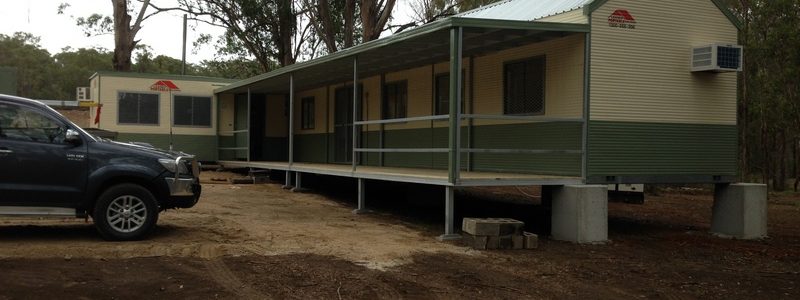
343 125
37 166
240 123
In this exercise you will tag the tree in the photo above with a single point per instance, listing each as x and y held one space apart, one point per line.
73 67
120 25
427 11
34 65
374 16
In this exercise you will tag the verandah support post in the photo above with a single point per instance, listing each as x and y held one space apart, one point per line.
291 120
298 183
455 106
449 215
453 166
355 112
248 125
288 184
362 205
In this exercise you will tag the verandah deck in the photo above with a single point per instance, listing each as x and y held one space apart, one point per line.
410 175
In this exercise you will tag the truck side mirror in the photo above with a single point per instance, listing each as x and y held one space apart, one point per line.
73 137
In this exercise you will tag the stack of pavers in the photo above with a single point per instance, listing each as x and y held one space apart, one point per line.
497 233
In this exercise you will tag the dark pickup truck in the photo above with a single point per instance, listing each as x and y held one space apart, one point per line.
51 167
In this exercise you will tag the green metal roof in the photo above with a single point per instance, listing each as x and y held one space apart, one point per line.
425 44
161 76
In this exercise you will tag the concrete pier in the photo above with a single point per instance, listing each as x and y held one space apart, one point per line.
580 213
740 211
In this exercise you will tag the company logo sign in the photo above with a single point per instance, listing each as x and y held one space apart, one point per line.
164 86
621 18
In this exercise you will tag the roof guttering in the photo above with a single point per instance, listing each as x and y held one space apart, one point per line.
403 36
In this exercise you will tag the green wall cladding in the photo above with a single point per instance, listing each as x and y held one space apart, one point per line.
202 146
653 149
543 136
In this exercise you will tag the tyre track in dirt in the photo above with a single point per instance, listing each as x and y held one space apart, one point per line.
219 271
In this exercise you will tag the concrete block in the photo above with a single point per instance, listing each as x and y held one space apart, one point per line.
530 240
740 211
580 213
476 242
491 226
519 241
476 226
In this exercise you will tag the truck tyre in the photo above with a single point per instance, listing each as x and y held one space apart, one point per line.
125 212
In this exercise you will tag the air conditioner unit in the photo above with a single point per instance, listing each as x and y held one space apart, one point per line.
83 94
717 58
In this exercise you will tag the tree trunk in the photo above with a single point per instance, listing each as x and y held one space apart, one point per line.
766 170
374 19
287 20
780 178
324 19
349 22
795 143
744 115
123 39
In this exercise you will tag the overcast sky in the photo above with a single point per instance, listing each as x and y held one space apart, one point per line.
162 32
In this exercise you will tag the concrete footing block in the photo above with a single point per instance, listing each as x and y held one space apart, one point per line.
580 213
740 211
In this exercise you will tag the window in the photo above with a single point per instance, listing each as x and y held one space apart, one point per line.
192 111
524 87
395 100
137 108
24 124
442 97
307 113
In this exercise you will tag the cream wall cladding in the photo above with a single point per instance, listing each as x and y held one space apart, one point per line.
643 74
564 61
319 96
226 117
113 85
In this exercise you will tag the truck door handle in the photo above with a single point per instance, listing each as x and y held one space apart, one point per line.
5 151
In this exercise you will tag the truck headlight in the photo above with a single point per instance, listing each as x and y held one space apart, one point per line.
172 166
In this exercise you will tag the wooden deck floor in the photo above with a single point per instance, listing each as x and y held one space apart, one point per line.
411 175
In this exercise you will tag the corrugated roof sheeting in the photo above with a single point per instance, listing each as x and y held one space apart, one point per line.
524 10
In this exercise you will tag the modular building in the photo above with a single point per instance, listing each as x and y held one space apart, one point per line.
158 109
520 92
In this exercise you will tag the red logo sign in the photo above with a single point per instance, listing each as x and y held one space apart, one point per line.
164 86
621 18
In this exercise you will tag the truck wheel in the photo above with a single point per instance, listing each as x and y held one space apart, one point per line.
125 212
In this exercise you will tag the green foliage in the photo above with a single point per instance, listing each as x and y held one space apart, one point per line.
770 88
42 76
34 65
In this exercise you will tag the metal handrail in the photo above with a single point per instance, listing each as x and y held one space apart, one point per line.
232 148
520 151
234 131
403 120
521 118
473 116
402 150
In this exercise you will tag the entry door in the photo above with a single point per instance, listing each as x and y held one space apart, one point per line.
240 123
343 125
37 166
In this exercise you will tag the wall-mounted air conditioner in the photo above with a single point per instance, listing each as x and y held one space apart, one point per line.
717 58
83 94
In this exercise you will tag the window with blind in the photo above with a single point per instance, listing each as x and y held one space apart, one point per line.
395 100
307 113
137 108
524 83
192 111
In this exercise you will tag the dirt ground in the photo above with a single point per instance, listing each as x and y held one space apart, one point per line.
263 242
